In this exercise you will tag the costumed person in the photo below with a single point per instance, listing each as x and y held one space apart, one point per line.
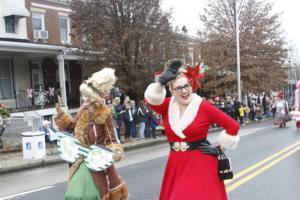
94 125
296 113
192 167
282 111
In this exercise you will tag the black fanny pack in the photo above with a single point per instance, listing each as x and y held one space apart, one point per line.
224 165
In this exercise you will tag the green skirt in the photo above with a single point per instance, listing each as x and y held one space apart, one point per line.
82 186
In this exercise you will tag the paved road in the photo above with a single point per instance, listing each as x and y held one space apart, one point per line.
266 166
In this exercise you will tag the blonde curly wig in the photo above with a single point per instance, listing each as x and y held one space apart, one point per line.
99 84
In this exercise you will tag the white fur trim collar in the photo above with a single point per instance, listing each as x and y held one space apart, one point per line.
179 124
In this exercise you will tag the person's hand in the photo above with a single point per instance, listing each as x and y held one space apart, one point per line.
209 149
118 151
58 105
170 72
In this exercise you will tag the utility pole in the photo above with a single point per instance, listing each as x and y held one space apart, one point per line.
237 35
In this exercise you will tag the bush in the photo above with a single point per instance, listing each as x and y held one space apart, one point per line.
4 112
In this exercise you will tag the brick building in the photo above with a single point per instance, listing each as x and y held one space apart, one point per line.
35 61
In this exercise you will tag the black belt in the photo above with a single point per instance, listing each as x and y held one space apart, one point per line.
202 145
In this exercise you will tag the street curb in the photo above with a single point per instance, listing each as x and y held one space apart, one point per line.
144 144
31 164
55 159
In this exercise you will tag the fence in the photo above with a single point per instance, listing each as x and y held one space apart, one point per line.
12 127
35 99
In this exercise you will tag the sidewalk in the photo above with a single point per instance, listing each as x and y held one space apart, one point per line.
13 161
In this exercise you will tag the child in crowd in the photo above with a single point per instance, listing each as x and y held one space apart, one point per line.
247 111
153 123
258 118
241 114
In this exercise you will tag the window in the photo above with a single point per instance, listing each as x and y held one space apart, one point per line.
64 25
38 21
6 83
10 24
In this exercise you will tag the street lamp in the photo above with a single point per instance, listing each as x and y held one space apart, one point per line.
238 51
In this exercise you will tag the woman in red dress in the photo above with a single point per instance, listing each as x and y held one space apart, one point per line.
190 173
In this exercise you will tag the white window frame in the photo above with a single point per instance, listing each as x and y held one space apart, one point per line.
68 29
41 16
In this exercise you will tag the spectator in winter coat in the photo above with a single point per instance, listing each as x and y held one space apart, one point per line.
117 115
133 124
247 111
127 118
229 109
236 106
142 114
153 123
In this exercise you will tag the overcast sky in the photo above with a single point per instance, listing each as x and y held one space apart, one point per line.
186 12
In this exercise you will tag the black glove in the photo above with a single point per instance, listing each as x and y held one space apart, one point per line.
209 149
170 72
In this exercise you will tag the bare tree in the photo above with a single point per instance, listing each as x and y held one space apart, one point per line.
294 55
132 36
293 64
261 46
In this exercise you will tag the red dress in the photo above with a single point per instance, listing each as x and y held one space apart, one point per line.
192 175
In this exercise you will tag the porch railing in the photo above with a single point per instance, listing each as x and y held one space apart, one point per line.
35 99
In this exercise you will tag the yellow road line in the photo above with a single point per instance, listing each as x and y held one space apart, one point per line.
259 171
253 167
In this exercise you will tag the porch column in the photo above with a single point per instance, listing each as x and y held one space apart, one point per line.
62 78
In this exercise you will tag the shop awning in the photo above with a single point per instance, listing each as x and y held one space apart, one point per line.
14 7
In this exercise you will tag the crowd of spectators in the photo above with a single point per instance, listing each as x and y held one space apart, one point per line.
138 121
251 109
134 121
